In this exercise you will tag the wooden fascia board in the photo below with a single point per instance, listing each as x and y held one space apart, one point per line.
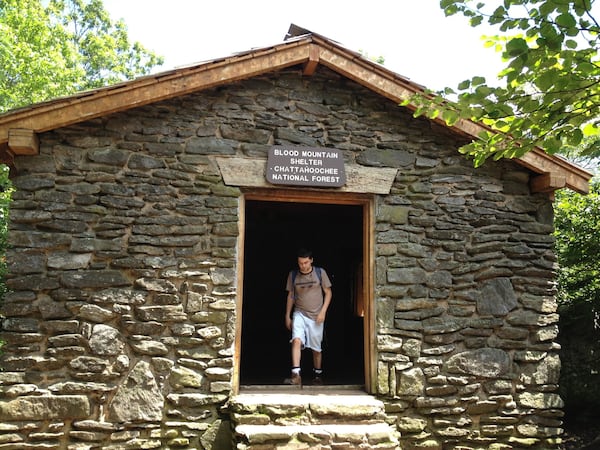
391 87
382 82
82 107
357 71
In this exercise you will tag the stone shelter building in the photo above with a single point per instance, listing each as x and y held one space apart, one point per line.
152 230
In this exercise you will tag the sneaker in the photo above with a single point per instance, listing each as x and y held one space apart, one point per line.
295 380
317 377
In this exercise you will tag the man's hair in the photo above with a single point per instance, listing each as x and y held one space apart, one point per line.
304 253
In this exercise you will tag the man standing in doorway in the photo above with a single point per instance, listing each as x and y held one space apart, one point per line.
309 296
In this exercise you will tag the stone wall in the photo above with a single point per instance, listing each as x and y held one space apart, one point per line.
466 313
121 322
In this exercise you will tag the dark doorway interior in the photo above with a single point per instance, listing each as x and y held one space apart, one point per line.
273 233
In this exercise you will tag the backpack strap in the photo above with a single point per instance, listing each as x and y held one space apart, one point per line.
294 275
319 276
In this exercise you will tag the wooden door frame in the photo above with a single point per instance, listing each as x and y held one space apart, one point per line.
368 227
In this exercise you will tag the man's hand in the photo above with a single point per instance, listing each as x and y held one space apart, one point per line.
321 316
288 323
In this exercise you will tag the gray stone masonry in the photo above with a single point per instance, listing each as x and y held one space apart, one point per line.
120 325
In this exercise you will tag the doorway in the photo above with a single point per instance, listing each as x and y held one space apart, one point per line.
274 230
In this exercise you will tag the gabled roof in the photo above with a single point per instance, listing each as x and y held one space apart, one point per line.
19 128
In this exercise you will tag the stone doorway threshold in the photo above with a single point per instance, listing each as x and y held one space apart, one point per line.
347 402
345 389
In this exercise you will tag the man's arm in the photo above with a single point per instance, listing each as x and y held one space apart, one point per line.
326 302
288 310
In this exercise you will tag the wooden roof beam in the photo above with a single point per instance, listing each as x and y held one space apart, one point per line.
552 168
22 141
547 182
313 61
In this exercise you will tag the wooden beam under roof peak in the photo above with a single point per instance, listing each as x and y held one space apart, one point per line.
311 65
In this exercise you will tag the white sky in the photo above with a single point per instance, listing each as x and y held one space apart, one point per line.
413 36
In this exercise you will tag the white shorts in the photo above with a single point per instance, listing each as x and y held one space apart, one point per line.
308 331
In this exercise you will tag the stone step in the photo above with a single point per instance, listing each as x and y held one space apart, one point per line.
343 436
310 419
304 408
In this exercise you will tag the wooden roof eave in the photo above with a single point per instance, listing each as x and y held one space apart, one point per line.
149 89
309 50
399 89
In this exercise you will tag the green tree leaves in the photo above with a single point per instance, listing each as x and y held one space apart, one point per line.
516 47
549 91
577 223
34 55
64 47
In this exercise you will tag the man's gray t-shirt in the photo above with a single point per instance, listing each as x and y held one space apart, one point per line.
309 293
